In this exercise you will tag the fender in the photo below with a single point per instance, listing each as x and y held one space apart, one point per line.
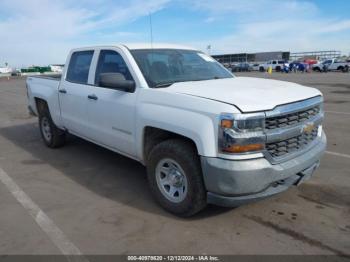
195 126
194 117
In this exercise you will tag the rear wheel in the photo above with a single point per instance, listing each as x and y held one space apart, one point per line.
175 177
53 136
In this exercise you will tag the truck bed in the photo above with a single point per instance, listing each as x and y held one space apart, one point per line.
55 77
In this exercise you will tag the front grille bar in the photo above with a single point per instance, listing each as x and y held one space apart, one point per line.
284 128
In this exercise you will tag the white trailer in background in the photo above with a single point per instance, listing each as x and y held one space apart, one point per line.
5 70
57 68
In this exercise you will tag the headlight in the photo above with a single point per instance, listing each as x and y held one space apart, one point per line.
241 133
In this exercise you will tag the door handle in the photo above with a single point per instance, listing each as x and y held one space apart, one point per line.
93 97
63 91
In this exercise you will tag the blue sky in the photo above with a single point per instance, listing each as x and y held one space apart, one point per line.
43 31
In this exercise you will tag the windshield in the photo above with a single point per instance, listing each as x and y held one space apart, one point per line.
163 67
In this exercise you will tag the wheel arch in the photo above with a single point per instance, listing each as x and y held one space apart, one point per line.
40 104
152 136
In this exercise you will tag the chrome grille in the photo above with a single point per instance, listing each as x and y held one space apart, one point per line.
290 145
291 119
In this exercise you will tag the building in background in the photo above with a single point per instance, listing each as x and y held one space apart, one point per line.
278 55
252 57
318 55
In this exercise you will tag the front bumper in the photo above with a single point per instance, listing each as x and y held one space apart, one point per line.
235 182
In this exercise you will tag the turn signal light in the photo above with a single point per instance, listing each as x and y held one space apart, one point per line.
243 148
226 123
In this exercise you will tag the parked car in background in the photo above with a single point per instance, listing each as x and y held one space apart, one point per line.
232 65
331 65
276 65
255 67
242 67
204 135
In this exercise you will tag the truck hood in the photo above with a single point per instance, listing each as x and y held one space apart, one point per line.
248 94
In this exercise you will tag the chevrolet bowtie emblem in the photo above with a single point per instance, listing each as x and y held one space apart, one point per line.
308 127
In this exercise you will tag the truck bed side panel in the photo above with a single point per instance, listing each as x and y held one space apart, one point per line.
46 89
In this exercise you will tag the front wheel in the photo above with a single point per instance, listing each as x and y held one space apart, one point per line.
175 177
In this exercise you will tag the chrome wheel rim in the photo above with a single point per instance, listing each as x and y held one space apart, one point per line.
171 180
46 129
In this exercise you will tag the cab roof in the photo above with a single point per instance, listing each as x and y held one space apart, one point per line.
135 46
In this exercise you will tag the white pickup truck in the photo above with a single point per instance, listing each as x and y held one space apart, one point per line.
276 65
204 135
332 65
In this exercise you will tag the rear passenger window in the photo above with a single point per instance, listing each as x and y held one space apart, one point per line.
79 66
111 62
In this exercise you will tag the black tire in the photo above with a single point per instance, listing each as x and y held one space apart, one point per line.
278 69
58 137
345 69
261 69
184 153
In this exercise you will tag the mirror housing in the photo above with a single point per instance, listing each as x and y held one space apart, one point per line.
117 81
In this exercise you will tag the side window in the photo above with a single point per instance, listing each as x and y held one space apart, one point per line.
111 62
274 62
79 66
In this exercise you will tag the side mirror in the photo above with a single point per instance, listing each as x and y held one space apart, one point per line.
117 81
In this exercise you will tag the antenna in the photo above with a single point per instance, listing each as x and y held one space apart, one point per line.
209 49
151 28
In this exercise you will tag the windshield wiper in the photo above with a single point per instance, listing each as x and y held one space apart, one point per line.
164 84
